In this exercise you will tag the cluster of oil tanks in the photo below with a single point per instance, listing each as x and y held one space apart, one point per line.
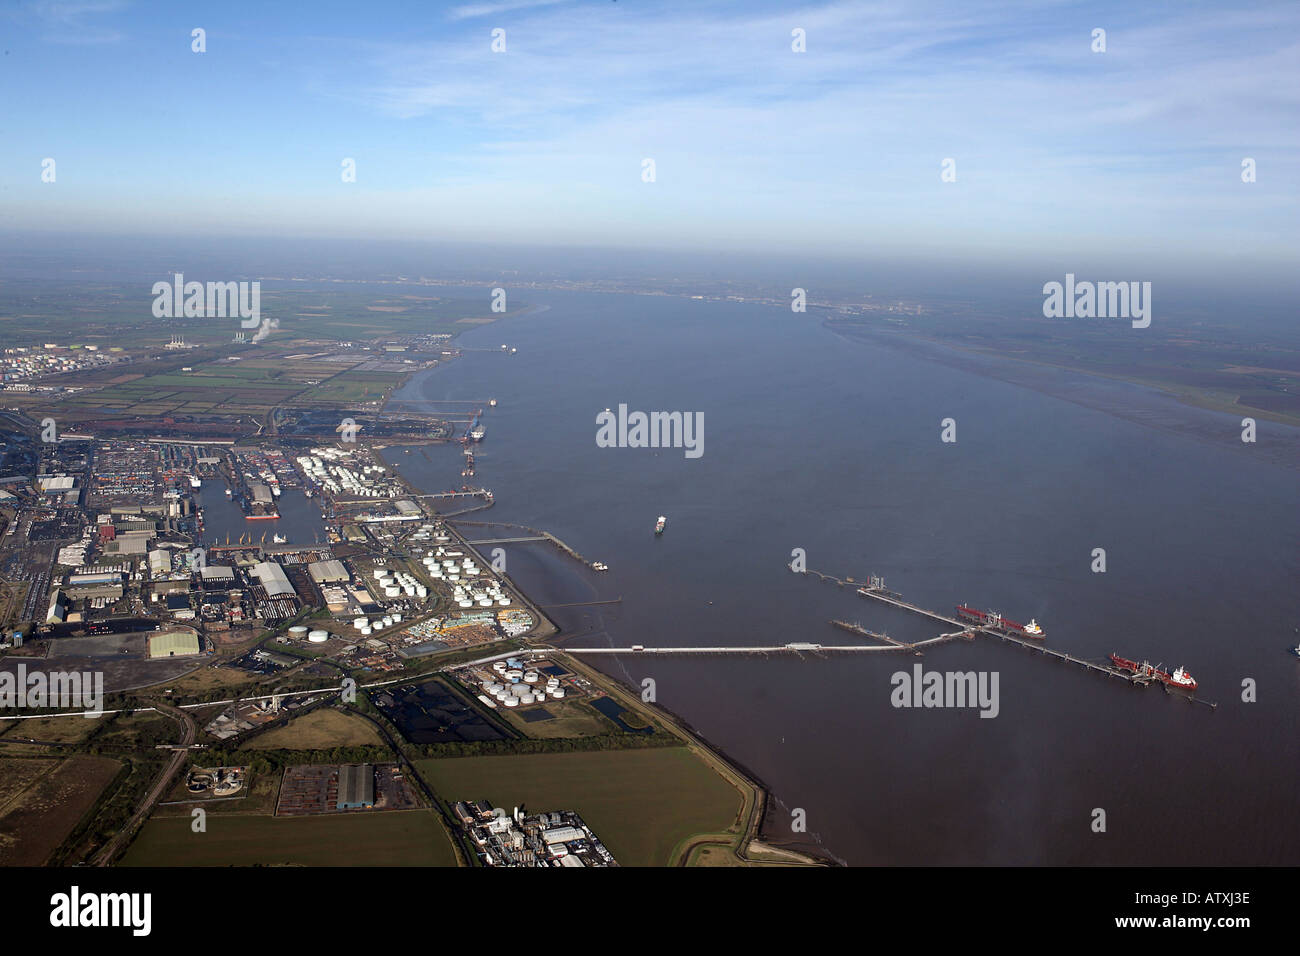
368 627
339 479
517 686
452 566
316 636
395 583
444 566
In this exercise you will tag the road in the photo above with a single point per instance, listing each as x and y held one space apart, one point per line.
123 836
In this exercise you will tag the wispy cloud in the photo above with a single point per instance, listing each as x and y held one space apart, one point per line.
74 21
1055 146
470 10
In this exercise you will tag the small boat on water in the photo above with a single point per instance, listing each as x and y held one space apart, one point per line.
659 525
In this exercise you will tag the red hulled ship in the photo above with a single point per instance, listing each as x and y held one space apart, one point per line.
1179 678
996 621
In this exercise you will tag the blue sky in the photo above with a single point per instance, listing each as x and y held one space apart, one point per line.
1060 151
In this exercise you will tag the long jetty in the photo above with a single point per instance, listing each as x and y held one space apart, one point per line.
536 534
799 649
875 590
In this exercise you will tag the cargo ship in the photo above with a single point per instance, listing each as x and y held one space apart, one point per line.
996 621
659 525
1179 678
476 429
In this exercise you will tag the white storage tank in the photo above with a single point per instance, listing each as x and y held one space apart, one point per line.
367 630
499 666
360 622
511 701
557 692
318 637
298 630
526 698
530 677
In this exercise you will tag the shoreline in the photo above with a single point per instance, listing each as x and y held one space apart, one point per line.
752 836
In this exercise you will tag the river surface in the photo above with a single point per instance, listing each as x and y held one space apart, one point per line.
831 446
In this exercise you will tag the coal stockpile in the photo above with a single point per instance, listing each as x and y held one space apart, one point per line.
430 714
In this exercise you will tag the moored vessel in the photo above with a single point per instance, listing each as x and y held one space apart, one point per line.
659 525
1180 678
996 621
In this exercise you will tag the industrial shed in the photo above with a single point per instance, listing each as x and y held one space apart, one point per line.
218 574
328 572
272 577
356 786
173 644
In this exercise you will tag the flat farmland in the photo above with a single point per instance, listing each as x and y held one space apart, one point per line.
644 805
321 729
59 730
375 838
352 387
252 384
35 820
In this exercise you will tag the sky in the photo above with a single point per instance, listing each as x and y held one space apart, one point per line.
1060 152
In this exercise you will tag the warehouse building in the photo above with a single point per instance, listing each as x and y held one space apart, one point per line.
328 572
356 787
173 644
217 575
272 577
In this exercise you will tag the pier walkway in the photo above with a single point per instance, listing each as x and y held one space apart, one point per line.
506 540
771 649
877 591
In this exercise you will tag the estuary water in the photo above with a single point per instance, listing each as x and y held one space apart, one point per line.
834 447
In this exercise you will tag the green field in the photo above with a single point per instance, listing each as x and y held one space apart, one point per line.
641 803
373 838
